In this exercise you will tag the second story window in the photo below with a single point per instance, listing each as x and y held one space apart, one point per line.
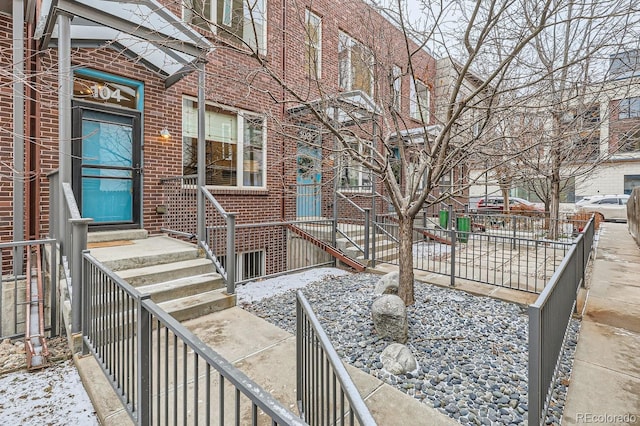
396 74
234 20
419 101
355 65
629 108
313 37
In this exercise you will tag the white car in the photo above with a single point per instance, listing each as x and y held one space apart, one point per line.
608 207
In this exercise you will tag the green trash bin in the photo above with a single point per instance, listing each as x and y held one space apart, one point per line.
444 218
463 226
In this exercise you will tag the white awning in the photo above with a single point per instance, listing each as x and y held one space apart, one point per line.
344 109
149 33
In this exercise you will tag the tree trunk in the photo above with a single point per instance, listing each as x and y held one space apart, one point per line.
405 285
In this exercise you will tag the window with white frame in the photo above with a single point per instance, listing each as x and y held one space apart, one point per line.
396 73
355 65
235 146
629 108
313 39
420 98
236 20
353 175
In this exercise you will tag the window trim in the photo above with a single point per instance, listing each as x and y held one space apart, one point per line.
240 124
262 48
396 101
308 44
349 42
416 110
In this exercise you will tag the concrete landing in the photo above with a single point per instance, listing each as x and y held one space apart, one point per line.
605 382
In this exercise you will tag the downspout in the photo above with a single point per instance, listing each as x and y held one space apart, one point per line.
18 132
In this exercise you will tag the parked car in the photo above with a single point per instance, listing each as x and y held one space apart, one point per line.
608 207
516 206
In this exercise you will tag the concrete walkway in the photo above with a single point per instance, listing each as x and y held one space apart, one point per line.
266 354
605 381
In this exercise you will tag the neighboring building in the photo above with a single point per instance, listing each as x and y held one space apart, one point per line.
135 97
600 134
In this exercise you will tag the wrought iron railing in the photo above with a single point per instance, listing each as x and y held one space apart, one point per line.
72 241
549 319
326 393
353 224
180 210
178 378
503 259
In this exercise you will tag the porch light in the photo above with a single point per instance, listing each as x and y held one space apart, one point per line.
164 134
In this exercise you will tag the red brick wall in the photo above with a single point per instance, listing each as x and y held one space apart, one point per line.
6 128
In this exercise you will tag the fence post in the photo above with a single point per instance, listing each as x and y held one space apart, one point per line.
367 230
143 361
231 253
78 245
452 230
513 225
86 303
299 342
535 367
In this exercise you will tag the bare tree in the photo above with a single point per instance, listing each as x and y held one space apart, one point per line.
496 39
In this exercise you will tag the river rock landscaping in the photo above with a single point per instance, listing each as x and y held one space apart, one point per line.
472 351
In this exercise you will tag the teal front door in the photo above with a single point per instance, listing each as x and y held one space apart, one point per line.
106 165
309 181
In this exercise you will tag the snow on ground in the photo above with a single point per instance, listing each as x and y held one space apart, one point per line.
424 249
51 396
255 291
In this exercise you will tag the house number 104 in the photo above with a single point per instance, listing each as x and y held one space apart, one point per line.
105 93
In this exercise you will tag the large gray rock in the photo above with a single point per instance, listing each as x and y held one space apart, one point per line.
398 359
388 284
389 316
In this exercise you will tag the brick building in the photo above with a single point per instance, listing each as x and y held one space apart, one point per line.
134 105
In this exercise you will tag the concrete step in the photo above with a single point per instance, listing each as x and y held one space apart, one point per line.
195 306
130 254
381 246
183 287
122 235
166 272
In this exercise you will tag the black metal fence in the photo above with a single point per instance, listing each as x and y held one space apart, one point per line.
326 394
549 319
178 378
506 259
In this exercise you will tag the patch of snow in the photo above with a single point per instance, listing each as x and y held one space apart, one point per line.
424 249
51 396
255 291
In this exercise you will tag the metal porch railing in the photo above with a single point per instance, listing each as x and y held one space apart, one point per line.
72 242
549 319
178 378
326 394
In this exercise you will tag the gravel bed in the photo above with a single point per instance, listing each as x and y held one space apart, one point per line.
472 351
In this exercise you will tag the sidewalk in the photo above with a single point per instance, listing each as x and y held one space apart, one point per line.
605 381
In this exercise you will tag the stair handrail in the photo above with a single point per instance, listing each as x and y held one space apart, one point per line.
227 271
73 241
366 212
